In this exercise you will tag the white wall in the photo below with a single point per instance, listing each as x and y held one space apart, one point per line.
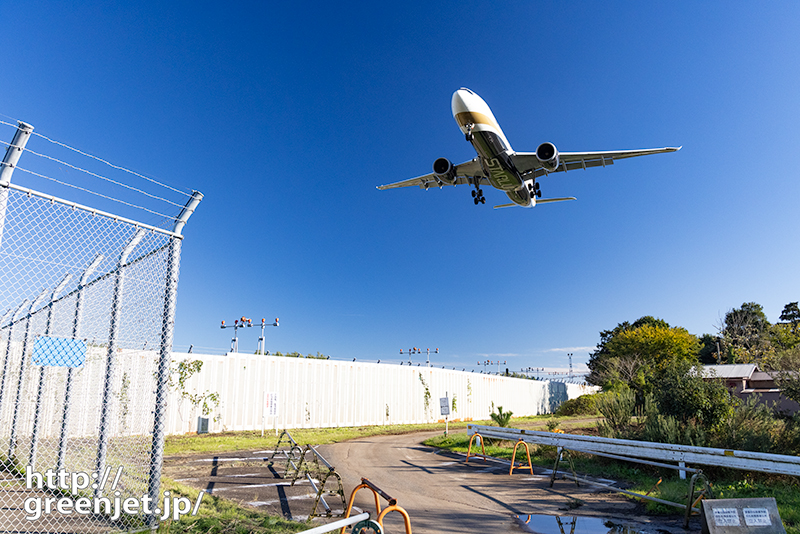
328 393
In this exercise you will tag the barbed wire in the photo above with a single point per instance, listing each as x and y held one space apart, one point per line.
101 160
115 182
67 184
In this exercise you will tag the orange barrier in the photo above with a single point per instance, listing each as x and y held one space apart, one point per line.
469 449
514 455
376 491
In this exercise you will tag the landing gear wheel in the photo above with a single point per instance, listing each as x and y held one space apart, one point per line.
474 194
476 200
483 200
538 193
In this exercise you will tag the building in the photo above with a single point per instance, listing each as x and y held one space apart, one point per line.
746 379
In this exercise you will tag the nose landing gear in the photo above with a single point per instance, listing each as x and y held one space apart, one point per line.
469 136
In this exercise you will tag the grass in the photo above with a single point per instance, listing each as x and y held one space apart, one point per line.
235 441
726 483
218 516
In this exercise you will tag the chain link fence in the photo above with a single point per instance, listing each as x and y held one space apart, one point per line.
87 302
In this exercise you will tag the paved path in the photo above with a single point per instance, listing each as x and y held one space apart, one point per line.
441 493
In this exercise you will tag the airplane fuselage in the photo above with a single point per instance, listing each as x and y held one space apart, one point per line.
477 122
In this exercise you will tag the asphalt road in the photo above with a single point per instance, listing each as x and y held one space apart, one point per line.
441 493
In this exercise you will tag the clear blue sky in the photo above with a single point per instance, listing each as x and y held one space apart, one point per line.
287 115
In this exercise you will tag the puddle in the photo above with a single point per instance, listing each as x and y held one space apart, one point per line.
570 524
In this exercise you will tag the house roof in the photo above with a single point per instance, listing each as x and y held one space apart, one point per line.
737 370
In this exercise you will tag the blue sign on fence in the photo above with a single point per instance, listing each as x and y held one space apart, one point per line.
59 351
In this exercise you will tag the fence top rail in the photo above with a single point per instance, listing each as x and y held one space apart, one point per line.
646 449
93 211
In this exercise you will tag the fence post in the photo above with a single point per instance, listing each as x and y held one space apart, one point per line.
23 366
76 323
111 357
165 353
43 375
13 152
14 318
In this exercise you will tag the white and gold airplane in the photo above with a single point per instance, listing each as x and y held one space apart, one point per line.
498 165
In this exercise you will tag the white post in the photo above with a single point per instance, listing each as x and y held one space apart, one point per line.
13 152
682 473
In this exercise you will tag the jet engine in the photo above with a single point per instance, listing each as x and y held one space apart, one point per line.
444 171
547 155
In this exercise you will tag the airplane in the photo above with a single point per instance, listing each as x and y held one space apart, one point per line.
499 166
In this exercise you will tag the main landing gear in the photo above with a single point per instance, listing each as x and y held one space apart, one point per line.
534 190
477 196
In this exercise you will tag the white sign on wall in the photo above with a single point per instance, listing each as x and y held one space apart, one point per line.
271 404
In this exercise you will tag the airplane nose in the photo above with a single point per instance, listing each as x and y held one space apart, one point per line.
458 104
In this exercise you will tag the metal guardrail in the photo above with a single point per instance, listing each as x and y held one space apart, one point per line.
744 460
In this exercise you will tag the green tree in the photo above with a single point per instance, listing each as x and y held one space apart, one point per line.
604 367
745 335
635 355
709 347
684 394
791 314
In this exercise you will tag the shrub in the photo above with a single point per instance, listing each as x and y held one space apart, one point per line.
500 417
583 405
752 427
617 408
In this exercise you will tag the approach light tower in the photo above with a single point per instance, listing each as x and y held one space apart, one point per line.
237 324
415 350
261 341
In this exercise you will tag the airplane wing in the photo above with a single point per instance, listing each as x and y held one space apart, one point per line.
466 173
527 163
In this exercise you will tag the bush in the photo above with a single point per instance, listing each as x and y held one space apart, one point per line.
583 405
662 428
752 427
617 408
500 417
686 396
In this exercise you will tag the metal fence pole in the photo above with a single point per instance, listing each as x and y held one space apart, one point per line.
13 152
76 323
111 357
14 319
43 375
165 354
23 366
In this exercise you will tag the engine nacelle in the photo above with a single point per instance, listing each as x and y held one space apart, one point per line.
444 171
547 155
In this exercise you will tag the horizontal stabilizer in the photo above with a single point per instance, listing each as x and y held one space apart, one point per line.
505 206
546 200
